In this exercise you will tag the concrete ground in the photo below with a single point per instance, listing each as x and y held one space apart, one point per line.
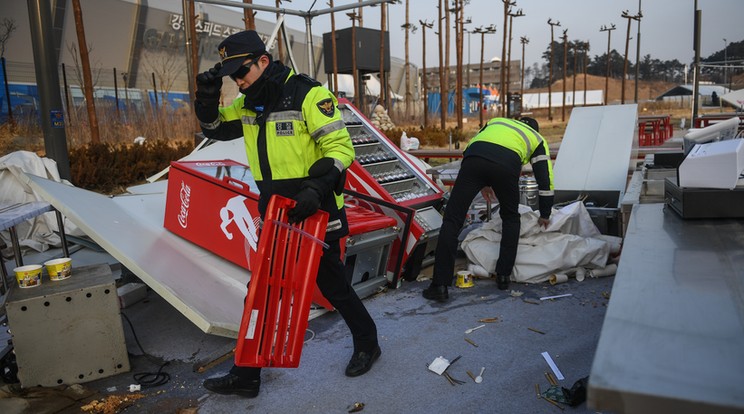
413 331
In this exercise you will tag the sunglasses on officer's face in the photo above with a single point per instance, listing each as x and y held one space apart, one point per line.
243 70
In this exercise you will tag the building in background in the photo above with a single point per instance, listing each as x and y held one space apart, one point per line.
138 45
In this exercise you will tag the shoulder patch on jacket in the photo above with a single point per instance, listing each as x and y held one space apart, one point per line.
326 107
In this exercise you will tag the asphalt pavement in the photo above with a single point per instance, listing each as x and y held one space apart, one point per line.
413 332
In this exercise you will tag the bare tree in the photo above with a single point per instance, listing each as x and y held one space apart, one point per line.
72 49
249 16
87 81
166 67
6 30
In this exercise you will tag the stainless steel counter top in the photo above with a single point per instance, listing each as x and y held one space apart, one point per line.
672 340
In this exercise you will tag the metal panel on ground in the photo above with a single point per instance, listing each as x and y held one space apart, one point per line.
207 289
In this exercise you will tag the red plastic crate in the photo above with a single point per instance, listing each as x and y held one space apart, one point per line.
280 292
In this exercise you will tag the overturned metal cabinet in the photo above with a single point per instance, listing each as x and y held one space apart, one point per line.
68 331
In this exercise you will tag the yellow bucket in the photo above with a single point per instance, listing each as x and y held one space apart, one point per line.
59 269
28 276
464 279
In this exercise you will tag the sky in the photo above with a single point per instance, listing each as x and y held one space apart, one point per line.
666 27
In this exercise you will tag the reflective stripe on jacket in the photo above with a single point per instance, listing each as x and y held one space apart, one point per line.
305 126
518 137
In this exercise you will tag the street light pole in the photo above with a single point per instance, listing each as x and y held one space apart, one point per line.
424 26
508 56
503 87
524 40
607 76
550 78
565 67
483 32
725 61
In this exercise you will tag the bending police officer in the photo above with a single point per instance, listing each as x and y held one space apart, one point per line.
492 164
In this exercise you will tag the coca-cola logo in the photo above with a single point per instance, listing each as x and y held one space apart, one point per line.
185 195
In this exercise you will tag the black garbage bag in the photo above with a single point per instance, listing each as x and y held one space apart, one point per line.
577 394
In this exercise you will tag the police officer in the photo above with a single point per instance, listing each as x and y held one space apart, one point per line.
492 164
297 147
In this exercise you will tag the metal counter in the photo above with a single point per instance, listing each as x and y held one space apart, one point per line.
673 336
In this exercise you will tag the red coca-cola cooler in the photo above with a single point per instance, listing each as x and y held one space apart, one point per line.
214 204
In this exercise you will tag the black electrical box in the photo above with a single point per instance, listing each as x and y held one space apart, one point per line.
367 50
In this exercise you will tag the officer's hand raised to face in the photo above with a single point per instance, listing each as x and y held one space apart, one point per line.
208 85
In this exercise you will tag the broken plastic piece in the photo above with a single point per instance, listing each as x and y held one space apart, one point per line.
356 407
135 387
439 365
552 365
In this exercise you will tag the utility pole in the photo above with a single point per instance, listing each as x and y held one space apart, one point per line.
408 27
524 40
443 93
638 52
550 76
696 74
424 26
354 17
334 55
586 63
458 13
482 31
630 18
607 76
573 72
565 68
725 61
383 81
508 56
502 73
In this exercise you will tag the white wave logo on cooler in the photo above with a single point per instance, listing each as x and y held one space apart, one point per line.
185 195
236 211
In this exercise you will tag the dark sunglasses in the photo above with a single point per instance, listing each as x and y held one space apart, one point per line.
243 70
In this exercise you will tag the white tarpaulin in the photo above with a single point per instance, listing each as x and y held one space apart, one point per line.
37 233
570 241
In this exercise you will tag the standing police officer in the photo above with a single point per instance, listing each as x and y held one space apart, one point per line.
298 147
492 164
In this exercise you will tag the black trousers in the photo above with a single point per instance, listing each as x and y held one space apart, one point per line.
502 175
334 286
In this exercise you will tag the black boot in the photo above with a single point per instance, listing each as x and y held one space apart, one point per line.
502 282
233 384
361 362
436 292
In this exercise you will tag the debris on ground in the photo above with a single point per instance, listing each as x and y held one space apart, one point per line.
111 404
356 407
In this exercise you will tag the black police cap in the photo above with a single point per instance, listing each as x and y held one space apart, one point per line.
236 48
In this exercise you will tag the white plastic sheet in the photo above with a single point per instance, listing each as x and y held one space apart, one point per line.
570 241
37 233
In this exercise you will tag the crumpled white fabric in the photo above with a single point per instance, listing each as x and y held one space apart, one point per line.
570 241
37 233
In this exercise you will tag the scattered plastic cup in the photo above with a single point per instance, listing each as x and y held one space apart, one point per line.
464 279
59 269
28 276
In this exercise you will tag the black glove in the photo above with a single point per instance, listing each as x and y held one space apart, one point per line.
325 177
308 202
208 85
